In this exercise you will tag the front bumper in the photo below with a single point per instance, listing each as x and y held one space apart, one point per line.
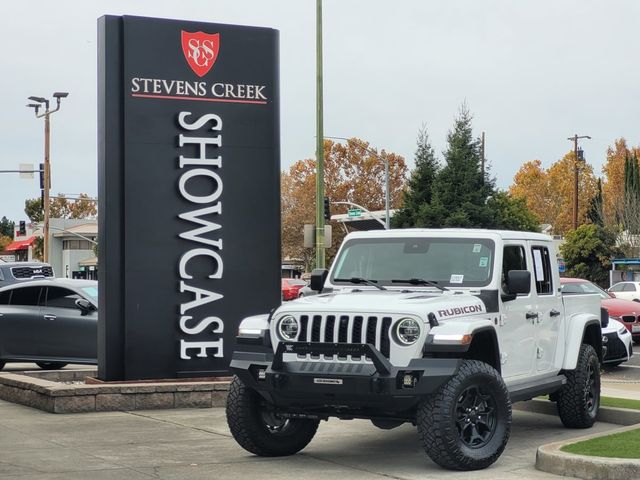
340 388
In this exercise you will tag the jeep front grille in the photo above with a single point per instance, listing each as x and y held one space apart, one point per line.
347 329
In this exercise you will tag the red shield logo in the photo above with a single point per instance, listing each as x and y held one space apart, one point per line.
201 50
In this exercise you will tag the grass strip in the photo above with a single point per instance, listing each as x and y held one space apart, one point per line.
620 403
618 445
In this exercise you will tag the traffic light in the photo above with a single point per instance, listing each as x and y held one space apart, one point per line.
327 208
23 228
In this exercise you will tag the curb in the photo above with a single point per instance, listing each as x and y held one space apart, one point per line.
617 416
549 458
61 392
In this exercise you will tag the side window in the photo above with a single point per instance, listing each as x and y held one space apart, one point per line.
4 297
617 287
629 287
542 270
28 296
513 258
61 298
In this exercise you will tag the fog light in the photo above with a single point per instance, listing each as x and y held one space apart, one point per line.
262 374
409 380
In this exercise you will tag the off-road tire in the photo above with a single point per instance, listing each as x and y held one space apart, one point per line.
51 365
438 417
245 420
576 407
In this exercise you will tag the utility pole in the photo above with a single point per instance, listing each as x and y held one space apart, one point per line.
47 165
320 254
575 139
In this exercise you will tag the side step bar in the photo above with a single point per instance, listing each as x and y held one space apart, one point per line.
527 391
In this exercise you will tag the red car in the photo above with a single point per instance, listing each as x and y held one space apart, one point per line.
625 311
291 288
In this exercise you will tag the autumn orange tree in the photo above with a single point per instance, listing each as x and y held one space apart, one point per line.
353 172
62 207
613 188
549 193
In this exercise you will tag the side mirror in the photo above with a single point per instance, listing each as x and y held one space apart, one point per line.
612 295
318 276
84 305
518 283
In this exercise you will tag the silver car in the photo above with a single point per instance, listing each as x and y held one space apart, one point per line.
15 272
49 322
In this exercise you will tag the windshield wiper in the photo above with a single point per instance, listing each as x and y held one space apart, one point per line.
421 281
359 280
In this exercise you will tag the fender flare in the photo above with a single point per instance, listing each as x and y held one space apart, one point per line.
580 322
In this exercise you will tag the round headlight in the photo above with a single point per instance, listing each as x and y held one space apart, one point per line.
288 328
408 331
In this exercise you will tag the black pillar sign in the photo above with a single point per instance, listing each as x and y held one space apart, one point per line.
189 193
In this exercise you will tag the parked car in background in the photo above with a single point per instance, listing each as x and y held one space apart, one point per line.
306 291
291 288
624 311
616 344
14 272
626 290
49 322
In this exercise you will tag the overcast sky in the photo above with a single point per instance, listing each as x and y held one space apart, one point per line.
532 72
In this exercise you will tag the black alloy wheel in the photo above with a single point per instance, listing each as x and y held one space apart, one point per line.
476 416
591 395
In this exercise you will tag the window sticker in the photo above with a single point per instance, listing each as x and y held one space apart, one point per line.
537 260
477 247
456 278
484 261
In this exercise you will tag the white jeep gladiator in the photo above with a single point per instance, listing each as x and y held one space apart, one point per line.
443 329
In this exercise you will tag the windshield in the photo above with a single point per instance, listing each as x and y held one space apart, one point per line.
582 288
455 262
91 293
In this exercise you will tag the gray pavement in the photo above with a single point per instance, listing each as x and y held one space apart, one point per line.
195 444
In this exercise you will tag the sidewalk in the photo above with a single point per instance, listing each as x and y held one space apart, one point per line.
630 390
195 444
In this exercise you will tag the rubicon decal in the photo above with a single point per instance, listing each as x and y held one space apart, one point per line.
454 311
200 50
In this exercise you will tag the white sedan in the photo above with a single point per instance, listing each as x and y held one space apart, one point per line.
626 290
616 344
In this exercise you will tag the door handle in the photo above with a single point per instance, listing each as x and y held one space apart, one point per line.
50 317
532 315
554 313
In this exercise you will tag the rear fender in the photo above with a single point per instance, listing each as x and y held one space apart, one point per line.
581 328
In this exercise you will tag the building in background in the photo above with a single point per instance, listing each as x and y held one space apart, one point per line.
70 243
22 247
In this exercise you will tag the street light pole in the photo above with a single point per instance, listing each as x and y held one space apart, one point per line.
320 253
386 179
47 165
575 139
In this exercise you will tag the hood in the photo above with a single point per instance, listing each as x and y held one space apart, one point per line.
442 304
618 307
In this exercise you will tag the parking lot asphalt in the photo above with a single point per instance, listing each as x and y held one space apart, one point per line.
196 444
